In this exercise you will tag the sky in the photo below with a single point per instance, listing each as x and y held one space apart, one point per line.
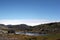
30 12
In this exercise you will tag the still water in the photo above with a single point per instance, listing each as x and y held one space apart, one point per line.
31 34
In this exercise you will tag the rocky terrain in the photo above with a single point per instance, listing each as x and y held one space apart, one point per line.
7 32
42 28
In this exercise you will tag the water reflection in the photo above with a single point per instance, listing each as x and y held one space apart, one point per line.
31 33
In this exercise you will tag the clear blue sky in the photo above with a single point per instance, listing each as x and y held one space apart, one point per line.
30 9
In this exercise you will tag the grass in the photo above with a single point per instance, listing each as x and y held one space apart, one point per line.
26 37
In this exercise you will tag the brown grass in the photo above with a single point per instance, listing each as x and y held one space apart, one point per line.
26 37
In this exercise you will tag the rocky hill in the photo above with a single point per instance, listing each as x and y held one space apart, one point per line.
42 28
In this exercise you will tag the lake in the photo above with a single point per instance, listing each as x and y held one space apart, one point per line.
31 33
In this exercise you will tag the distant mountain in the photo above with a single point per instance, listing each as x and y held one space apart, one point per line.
48 28
21 27
43 28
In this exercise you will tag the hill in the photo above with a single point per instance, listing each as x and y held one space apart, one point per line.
48 28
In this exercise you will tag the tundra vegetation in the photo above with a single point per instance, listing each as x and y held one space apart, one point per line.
7 32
